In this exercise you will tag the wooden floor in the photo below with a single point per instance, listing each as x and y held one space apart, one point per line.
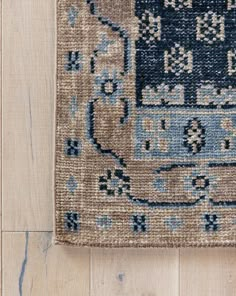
31 265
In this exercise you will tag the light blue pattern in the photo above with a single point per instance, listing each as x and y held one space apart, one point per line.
108 87
102 47
73 106
104 222
173 223
72 15
207 94
72 184
159 185
174 133
162 93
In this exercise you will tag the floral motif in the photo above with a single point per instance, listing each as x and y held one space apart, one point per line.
108 87
199 183
114 183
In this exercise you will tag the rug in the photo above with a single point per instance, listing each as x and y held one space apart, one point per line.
146 123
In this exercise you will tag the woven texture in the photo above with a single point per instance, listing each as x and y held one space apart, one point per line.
146 123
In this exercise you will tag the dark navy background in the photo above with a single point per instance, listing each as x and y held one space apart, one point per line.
209 60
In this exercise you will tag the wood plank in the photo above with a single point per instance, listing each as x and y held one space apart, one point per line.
208 272
1 145
32 266
28 104
134 272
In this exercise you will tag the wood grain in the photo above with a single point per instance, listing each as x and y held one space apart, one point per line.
1 145
32 266
134 272
208 272
28 103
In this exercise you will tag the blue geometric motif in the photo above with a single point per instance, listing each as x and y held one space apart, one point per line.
211 222
72 147
73 61
72 221
139 223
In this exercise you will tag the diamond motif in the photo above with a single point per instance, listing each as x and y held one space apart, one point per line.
72 184
72 15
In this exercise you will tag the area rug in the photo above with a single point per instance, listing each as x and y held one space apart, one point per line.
146 123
